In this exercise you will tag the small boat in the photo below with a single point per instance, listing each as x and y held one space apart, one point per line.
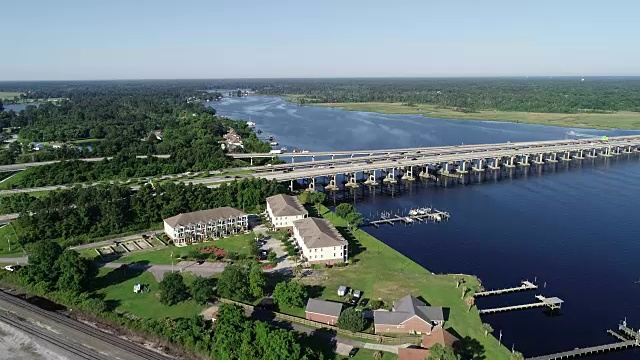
437 218
284 149
305 151
259 131
420 212
413 212
408 219
274 143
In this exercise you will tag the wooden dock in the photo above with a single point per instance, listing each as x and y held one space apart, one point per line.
526 285
553 303
623 343
428 214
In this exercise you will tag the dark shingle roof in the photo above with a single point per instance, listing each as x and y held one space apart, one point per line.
224 212
324 307
286 205
406 308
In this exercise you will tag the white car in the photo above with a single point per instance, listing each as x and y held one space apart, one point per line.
12 267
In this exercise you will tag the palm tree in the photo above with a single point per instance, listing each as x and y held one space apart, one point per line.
470 302
457 281
464 291
487 329
480 288
516 355
377 355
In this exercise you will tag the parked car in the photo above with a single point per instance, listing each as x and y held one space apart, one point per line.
357 294
12 267
364 302
353 352
353 301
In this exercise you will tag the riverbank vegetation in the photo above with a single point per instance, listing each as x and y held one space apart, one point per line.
592 120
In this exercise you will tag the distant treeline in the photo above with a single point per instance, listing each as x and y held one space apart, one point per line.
563 95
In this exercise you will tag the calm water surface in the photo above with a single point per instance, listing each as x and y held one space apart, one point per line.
572 226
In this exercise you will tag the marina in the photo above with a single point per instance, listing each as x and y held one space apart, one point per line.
413 216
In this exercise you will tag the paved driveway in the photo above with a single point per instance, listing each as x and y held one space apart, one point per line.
158 271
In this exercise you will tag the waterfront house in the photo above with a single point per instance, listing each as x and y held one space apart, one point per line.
409 315
319 241
186 228
326 312
283 210
412 353
437 336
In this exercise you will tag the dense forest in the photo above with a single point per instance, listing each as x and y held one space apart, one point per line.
562 95
78 214
119 119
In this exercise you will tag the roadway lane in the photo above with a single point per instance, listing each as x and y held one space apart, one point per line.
23 166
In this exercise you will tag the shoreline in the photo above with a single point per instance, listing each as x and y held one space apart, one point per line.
625 120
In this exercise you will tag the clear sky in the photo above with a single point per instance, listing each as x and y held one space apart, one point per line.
141 39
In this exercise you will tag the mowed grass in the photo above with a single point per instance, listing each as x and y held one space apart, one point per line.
619 120
117 288
9 95
15 179
8 239
383 273
163 256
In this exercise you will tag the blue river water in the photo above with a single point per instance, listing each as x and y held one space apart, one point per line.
572 226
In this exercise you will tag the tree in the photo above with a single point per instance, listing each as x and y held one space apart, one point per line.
289 293
376 304
234 283
487 329
272 257
172 289
344 209
74 272
464 291
440 352
354 219
318 198
352 320
516 355
229 326
42 259
305 197
202 290
254 249
479 288
470 302
377 355
257 281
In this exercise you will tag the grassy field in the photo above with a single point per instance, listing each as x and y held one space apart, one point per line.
619 120
15 179
162 256
117 288
9 95
8 236
84 141
383 273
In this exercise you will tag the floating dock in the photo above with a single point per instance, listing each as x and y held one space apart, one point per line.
632 339
418 215
553 303
526 285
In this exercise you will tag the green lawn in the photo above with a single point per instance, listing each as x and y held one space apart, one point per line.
383 273
84 141
15 179
9 95
8 236
162 256
117 289
619 120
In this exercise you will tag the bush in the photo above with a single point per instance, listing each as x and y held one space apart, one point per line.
202 290
352 320
172 289
376 304
289 293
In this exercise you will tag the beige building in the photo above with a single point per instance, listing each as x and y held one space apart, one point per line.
186 228
283 210
319 241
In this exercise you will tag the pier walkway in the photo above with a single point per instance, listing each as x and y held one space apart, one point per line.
623 343
553 303
526 285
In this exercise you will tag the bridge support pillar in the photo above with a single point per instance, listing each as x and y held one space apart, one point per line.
409 174
524 160
593 153
352 182
372 181
332 183
553 157
391 177
479 166
607 151
567 156
579 155
312 185
495 165
463 167
539 159
291 186
628 150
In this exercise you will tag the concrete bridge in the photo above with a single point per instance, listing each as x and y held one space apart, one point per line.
448 161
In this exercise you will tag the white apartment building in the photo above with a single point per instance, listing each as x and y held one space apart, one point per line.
283 210
186 228
319 241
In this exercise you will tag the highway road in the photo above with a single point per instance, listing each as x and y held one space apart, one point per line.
23 166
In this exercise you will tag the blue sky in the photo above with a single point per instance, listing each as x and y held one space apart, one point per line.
142 39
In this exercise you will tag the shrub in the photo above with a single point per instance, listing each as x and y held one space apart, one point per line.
352 320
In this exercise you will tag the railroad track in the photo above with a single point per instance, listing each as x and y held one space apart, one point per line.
86 329
79 351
